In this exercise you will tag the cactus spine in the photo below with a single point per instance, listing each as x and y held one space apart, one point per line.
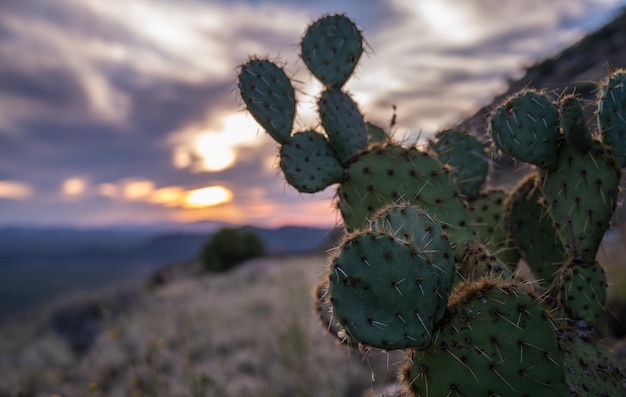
428 261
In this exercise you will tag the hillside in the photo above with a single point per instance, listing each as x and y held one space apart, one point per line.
577 68
250 332
40 265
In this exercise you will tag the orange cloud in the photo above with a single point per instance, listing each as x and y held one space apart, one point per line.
73 187
273 214
207 197
204 148
15 190
137 189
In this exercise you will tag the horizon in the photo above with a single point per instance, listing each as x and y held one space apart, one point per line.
106 122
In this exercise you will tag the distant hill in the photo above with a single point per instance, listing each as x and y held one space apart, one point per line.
38 265
577 68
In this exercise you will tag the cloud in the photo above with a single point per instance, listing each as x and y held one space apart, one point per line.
451 56
127 106
73 187
212 144
14 190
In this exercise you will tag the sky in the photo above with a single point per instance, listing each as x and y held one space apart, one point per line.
126 112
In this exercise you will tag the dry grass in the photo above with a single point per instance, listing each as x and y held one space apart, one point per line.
250 332
247 333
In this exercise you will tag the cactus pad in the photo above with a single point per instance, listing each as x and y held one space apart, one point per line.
324 311
581 289
383 291
531 230
343 123
309 163
590 370
466 157
487 213
573 123
387 174
580 197
376 134
421 230
331 48
479 262
526 127
269 97
612 114
496 340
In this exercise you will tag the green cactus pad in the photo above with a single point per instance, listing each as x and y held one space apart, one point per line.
590 370
322 307
479 262
269 97
331 48
376 134
383 291
612 114
414 225
526 127
580 197
387 174
496 340
531 230
573 123
487 213
581 289
343 123
309 163
466 157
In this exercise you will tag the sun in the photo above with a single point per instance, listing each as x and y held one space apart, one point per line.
207 197
216 155
216 149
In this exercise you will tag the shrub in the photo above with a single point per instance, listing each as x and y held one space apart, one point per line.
229 247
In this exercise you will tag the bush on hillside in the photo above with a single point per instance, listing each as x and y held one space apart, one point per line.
229 247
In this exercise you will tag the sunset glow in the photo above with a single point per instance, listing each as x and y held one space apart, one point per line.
215 149
74 187
108 120
15 190
137 189
450 19
207 197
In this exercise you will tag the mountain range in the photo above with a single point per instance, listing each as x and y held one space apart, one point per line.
39 265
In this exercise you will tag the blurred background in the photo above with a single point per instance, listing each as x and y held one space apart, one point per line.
124 146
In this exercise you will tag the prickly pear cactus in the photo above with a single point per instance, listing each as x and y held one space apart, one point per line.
496 340
589 367
428 262
389 174
369 281
530 229
573 123
526 127
611 110
343 123
580 197
309 162
466 156
269 96
487 212
331 49
417 227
